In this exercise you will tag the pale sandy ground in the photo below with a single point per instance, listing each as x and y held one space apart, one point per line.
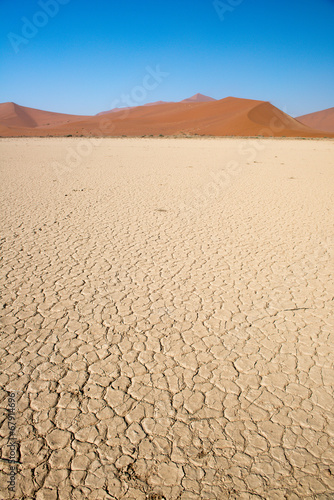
168 318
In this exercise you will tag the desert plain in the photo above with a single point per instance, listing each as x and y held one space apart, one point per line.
167 318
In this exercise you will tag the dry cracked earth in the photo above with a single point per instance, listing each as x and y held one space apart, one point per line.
167 319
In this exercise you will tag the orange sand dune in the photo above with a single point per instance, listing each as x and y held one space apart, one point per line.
155 103
321 120
194 98
129 107
114 110
229 116
13 115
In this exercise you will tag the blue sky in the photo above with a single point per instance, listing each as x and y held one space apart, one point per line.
89 54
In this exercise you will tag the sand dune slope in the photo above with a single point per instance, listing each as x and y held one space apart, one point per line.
199 98
229 116
321 120
13 115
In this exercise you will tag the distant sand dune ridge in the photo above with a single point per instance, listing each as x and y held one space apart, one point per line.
198 115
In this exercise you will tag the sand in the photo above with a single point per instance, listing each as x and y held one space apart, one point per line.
167 318
20 117
195 117
199 98
321 120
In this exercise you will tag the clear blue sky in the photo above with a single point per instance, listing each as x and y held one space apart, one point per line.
91 52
